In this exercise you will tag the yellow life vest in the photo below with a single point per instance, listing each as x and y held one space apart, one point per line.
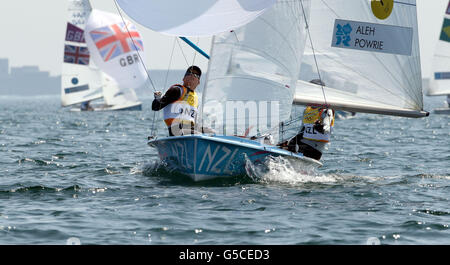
184 110
310 116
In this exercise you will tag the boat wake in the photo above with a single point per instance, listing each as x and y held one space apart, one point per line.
156 168
287 171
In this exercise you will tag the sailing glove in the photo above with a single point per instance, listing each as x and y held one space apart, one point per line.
157 95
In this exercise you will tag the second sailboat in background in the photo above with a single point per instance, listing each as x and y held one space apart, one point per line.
440 80
101 61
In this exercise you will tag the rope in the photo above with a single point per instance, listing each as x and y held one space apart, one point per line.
135 48
314 54
195 52
182 52
165 84
170 62
142 62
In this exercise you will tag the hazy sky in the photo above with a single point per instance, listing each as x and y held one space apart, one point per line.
33 32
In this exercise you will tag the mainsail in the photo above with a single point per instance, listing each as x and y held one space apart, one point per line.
253 71
367 53
440 80
194 18
80 80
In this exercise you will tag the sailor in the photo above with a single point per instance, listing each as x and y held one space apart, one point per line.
85 106
180 104
315 133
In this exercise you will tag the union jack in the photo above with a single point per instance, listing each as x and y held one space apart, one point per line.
76 55
115 40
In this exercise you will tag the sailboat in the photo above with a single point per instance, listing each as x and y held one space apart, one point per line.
440 81
239 62
253 74
85 77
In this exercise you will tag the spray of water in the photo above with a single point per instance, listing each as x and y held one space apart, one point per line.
287 171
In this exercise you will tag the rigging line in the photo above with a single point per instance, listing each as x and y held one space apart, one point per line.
170 62
182 52
165 83
153 123
314 53
195 54
135 48
236 36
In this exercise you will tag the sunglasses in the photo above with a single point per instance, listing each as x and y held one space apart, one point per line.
196 75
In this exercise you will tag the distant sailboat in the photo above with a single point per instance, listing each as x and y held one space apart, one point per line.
85 77
343 115
440 80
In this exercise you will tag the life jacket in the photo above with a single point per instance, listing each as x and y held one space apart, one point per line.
184 110
310 116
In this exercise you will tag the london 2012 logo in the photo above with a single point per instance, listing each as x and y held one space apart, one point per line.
343 35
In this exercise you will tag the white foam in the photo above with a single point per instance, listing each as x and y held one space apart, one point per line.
283 170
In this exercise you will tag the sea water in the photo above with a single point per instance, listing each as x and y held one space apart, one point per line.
90 178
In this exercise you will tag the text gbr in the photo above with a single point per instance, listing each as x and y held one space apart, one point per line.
129 60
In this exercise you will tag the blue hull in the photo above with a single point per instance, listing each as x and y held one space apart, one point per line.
206 157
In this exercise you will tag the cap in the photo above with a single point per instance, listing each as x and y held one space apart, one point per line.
194 70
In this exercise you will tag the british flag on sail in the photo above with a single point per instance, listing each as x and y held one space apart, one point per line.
116 48
116 39
76 54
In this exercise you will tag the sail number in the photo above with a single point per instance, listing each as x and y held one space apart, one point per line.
215 159
129 60
310 130
188 112
75 36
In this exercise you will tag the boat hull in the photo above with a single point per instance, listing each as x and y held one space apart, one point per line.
442 111
135 106
205 157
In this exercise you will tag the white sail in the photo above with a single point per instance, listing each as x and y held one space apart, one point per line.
440 79
116 48
114 95
194 18
80 80
253 71
368 57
